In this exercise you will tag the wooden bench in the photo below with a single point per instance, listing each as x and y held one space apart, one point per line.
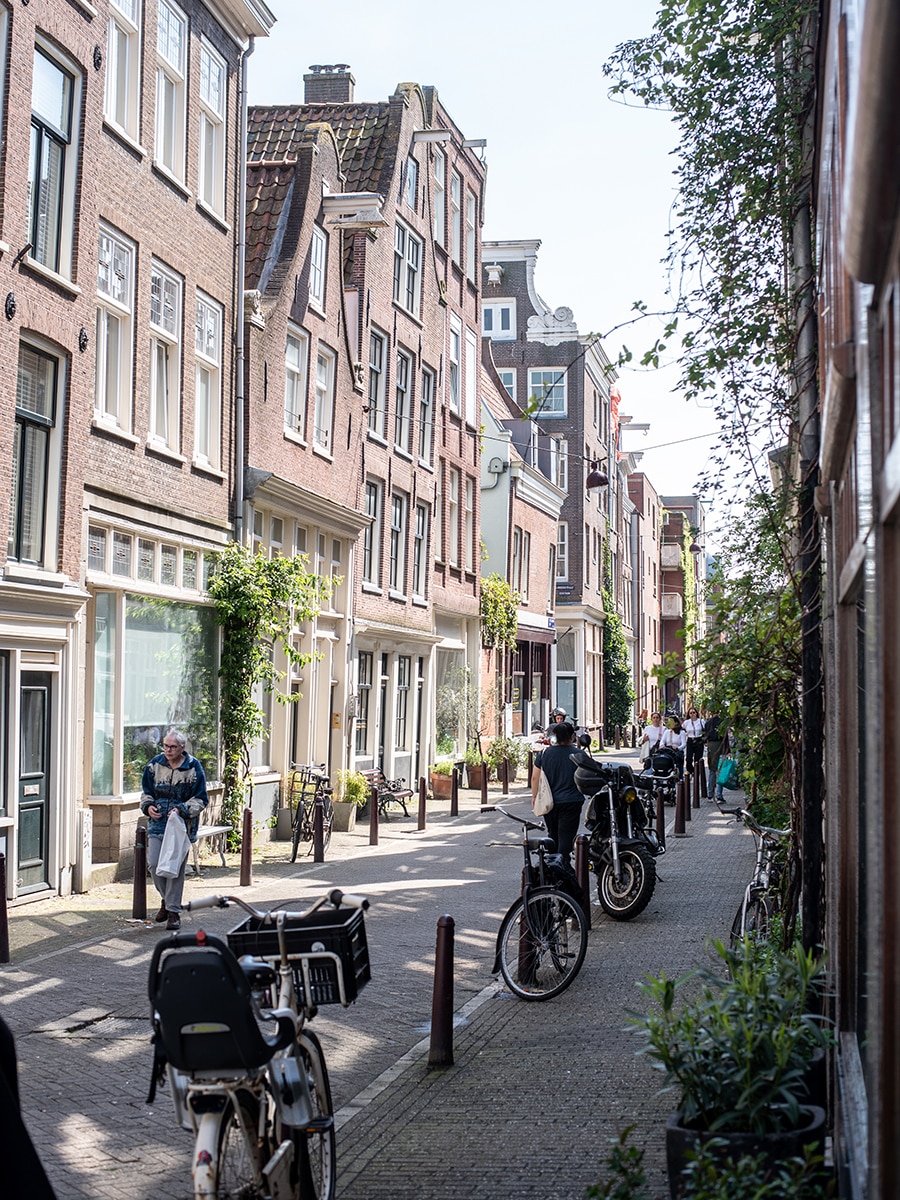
388 791
215 835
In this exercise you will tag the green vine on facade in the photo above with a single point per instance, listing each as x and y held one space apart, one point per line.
619 688
499 621
258 603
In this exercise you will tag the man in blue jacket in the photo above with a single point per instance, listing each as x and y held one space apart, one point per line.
174 785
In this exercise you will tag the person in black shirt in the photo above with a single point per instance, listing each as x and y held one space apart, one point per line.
564 818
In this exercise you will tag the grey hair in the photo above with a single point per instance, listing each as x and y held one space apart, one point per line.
177 735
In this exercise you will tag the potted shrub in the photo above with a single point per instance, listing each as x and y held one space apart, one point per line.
507 748
738 1050
440 777
475 764
351 793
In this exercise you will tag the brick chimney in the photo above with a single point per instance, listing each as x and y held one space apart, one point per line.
328 84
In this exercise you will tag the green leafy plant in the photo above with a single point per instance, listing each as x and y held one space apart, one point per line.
626 1178
499 605
441 768
351 787
738 1046
258 603
473 757
712 1174
511 749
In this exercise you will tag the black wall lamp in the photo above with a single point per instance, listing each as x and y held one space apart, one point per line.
597 478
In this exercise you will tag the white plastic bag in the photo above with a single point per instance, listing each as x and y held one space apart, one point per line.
174 849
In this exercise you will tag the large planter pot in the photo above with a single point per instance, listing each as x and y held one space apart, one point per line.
441 786
344 820
473 775
775 1146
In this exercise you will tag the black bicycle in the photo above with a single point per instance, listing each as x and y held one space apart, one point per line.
543 937
309 787
762 895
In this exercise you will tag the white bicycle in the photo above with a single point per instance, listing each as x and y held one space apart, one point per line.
258 1102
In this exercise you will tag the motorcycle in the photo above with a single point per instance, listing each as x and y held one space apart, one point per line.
623 845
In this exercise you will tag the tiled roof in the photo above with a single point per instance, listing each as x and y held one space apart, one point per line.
269 194
275 133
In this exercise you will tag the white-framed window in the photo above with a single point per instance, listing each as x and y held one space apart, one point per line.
516 569
453 516
426 416
471 378
397 560
498 320
401 702
371 541
403 402
55 95
456 216
121 101
533 438
411 190
471 236
440 196
115 328
377 384
318 257
420 552
165 355
455 363
208 394
296 367
407 269
548 387
508 379
211 165
364 693
469 524
559 463
35 486
562 550
439 535
171 88
324 415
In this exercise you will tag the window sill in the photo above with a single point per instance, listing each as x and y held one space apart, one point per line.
214 216
110 429
19 573
206 468
52 276
399 452
376 437
316 307
372 589
166 175
122 135
426 465
164 451
130 798
419 602
322 452
5 248
411 315
398 596
296 438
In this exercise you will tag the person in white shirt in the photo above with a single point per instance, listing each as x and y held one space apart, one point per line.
675 739
693 729
652 735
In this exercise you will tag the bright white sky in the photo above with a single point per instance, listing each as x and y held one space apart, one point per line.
589 177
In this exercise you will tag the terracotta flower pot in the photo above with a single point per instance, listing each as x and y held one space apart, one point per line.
775 1146
441 786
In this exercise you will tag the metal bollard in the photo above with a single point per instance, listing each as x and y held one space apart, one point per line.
529 766
4 916
696 785
484 791
423 792
704 791
633 737
373 816
504 776
454 793
661 817
319 828
680 807
584 875
139 885
247 849
686 783
618 737
440 1053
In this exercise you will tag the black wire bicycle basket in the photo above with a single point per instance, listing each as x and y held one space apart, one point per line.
327 951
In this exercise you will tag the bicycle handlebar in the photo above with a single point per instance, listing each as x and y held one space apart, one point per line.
522 820
335 897
766 831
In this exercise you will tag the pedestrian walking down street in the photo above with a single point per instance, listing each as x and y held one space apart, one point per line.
564 817
693 728
174 784
675 739
717 743
23 1171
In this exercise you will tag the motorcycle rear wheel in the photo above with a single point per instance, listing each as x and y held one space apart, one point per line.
629 895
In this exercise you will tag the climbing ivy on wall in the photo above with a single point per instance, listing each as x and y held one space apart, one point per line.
499 621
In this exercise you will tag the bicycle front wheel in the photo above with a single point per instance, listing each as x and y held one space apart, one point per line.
752 922
299 830
241 1153
542 944
314 1147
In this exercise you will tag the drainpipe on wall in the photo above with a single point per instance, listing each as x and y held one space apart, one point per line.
239 396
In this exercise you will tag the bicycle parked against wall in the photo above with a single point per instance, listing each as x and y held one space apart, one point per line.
543 937
762 895
309 784
258 1103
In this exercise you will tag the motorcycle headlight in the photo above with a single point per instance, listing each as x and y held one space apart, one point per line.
630 795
